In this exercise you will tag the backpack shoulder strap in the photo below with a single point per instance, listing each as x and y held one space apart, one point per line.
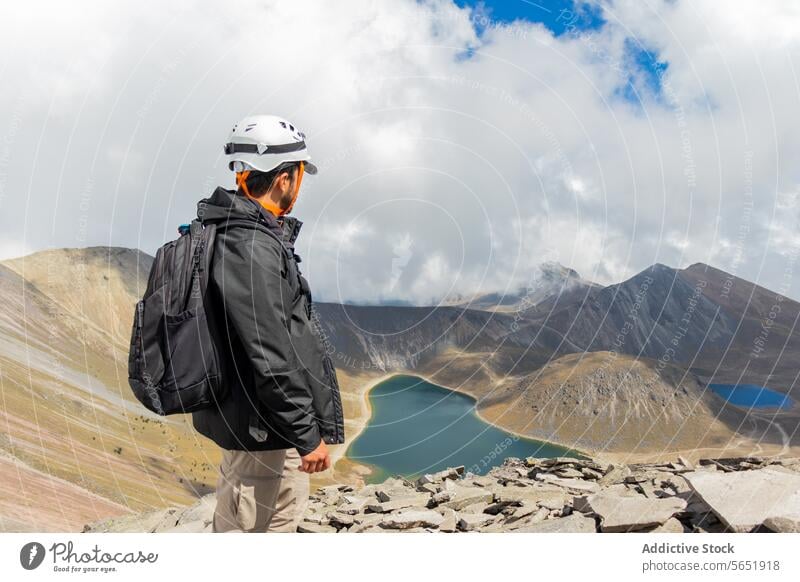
204 235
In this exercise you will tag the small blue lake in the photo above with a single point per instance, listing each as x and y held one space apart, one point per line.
752 396
417 427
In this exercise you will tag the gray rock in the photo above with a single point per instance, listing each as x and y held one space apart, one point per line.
676 484
698 506
474 521
427 479
575 523
479 507
398 503
340 519
728 494
466 496
366 521
329 490
616 474
384 495
743 500
535 492
525 519
480 481
783 524
450 521
202 510
651 491
553 461
572 484
318 518
569 473
672 525
591 473
429 488
526 509
553 502
453 473
622 490
440 497
619 514
637 478
411 518
355 507
495 508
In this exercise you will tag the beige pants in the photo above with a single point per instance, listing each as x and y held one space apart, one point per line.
260 491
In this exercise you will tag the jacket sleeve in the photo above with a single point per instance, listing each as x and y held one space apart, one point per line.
258 303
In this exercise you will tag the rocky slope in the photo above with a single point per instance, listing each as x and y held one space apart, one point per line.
94 285
551 495
75 444
614 403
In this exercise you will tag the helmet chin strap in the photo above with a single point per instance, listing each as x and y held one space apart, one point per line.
300 171
269 205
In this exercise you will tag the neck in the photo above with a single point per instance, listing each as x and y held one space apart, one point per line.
268 204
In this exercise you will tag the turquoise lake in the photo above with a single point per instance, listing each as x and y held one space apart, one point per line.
752 396
417 427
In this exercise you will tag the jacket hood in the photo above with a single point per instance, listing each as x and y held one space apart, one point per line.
224 204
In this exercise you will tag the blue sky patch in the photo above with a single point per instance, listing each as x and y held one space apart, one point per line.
572 17
644 77
559 16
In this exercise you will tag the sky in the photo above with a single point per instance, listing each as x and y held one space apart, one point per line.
460 144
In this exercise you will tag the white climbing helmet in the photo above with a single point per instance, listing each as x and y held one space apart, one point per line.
264 142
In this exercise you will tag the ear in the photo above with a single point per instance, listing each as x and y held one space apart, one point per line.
285 180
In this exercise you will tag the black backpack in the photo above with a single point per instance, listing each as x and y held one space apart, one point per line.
173 365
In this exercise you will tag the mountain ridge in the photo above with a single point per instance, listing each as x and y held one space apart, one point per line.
64 331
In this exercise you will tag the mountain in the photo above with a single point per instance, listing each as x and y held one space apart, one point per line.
617 371
94 285
602 401
704 319
75 444
548 280
659 338
699 318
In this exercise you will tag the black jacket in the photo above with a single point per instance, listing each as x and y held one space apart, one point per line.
284 391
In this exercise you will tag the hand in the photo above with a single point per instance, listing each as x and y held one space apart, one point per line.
317 460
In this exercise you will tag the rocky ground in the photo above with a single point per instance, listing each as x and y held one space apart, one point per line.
745 494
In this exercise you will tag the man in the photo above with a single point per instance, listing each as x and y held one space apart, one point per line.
284 407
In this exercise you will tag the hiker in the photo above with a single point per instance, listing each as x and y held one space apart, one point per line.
284 406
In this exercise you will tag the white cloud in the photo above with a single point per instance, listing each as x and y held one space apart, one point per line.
113 122
11 249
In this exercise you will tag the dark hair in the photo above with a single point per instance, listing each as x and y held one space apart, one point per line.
259 182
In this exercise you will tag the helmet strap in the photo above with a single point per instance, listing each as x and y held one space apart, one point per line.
300 171
269 205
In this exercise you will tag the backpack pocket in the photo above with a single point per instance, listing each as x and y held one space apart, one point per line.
139 377
191 377
135 359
